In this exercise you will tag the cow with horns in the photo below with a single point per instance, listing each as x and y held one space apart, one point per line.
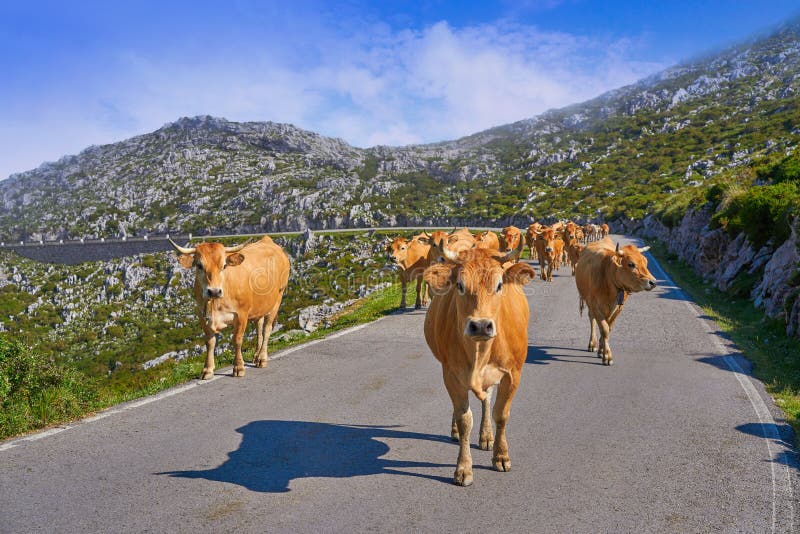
477 327
605 276
234 285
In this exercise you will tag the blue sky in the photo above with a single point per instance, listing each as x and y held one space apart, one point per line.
85 72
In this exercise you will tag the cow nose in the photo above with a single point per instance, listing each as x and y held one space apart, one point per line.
652 283
548 249
481 328
214 292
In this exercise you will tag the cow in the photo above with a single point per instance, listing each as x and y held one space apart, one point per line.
588 231
530 237
456 240
604 230
574 249
510 239
605 276
549 249
234 285
488 240
477 328
411 256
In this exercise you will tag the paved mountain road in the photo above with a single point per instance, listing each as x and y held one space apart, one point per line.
352 434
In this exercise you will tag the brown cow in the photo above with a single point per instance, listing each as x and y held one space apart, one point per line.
411 256
510 239
477 327
530 237
604 230
234 285
549 248
605 276
574 249
488 240
456 241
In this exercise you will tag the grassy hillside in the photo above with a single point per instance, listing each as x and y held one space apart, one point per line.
75 338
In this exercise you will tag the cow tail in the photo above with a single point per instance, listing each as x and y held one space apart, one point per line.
581 305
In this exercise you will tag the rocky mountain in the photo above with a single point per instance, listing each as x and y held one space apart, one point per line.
616 156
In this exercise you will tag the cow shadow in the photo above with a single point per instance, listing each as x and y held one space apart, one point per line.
781 435
273 453
540 355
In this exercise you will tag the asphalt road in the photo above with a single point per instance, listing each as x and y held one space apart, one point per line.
352 434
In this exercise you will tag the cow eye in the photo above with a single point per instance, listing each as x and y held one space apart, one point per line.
499 286
199 266
632 265
460 287
402 248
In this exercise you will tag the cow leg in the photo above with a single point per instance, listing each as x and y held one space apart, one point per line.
265 325
592 333
418 302
239 326
211 343
463 417
426 299
486 435
403 289
260 344
605 331
502 409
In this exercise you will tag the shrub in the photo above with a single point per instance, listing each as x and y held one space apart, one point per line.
761 212
35 391
788 170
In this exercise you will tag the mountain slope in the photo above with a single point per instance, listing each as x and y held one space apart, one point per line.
618 155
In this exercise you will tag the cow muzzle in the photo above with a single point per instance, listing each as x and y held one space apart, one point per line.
214 292
480 329
649 285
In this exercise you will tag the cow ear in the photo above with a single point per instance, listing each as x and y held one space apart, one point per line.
519 273
186 260
439 277
234 259
424 240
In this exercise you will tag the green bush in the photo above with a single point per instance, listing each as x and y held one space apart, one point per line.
35 391
787 170
762 212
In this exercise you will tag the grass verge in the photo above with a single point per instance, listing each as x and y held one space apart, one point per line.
35 392
774 355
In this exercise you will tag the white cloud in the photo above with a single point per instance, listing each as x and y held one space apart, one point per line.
386 87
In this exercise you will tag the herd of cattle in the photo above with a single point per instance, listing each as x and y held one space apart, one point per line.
476 324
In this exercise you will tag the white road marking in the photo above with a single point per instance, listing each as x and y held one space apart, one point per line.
769 427
170 392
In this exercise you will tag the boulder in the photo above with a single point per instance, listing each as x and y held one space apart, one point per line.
774 289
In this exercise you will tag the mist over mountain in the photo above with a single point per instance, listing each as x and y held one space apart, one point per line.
615 156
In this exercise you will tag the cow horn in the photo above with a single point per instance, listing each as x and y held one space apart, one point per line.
617 250
511 253
448 254
182 250
425 234
237 248
644 249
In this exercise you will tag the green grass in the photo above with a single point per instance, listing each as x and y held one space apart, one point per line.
774 355
35 392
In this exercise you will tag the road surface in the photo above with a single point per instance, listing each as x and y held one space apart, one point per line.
351 433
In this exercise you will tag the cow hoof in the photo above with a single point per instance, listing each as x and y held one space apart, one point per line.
462 477
238 372
592 347
417 306
502 464
486 443
261 363
454 436
207 374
